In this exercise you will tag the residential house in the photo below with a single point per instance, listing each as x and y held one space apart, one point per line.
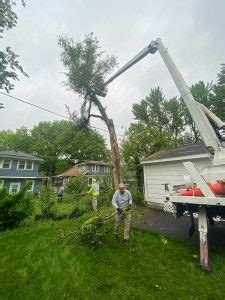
90 169
166 166
17 168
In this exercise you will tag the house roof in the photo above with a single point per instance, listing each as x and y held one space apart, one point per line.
93 162
186 151
72 171
18 154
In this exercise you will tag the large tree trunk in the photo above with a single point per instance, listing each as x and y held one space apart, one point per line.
113 140
115 153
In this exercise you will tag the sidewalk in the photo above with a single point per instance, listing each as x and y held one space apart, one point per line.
165 224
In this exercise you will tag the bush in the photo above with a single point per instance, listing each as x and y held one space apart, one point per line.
47 203
14 208
76 185
105 199
137 196
83 205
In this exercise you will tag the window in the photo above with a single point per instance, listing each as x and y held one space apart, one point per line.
90 181
29 165
25 165
14 187
6 164
1 183
32 185
106 169
95 168
21 165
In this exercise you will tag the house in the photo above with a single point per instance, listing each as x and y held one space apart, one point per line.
17 168
90 169
166 166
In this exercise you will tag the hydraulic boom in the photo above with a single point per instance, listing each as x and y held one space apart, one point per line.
200 114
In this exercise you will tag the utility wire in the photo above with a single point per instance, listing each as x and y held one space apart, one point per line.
52 112
37 106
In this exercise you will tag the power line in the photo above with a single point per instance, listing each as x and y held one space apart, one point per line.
37 106
52 112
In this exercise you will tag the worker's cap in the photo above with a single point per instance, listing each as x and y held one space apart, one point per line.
121 186
94 180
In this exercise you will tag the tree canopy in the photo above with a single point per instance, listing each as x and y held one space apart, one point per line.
58 143
85 63
86 69
164 123
9 64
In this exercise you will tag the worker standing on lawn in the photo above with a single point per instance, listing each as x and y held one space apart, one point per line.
122 202
94 191
60 194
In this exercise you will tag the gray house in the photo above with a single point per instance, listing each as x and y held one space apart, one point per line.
90 169
17 168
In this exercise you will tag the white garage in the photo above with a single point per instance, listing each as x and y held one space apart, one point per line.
166 166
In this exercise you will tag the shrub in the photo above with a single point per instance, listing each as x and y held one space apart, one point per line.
137 196
76 185
47 203
105 199
14 208
83 205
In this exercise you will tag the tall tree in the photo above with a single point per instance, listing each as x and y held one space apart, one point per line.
139 141
57 144
202 93
218 95
53 140
164 115
9 64
86 69
18 140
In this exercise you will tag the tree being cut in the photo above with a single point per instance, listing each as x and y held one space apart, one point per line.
86 69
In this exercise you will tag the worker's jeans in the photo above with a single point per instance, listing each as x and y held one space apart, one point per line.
94 203
124 217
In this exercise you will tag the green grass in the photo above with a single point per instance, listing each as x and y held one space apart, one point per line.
35 264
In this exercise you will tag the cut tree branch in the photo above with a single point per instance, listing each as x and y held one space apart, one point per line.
95 116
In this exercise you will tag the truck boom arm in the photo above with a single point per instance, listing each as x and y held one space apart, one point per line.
198 113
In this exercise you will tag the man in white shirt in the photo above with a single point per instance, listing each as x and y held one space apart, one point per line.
122 201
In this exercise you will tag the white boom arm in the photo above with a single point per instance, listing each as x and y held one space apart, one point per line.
197 111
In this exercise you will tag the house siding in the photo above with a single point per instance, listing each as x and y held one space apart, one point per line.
13 175
157 174
97 173
22 181
20 173
88 168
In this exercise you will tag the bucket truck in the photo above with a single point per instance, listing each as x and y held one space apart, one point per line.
204 191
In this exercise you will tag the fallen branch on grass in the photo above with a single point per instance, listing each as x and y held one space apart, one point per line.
93 230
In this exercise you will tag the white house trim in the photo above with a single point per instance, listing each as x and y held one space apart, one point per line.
95 168
14 183
2 162
32 186
1 183
187 157
25 166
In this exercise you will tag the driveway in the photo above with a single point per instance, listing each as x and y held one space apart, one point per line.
165 224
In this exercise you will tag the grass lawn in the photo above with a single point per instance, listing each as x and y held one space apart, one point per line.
35 264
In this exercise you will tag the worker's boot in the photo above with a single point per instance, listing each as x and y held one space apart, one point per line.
125 242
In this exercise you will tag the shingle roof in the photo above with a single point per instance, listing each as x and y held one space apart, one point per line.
93 162
186 150
73 171
18 154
